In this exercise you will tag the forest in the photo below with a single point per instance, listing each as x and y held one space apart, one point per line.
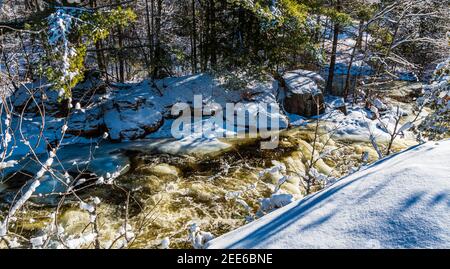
171 123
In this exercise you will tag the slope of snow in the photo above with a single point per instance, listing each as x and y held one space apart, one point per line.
402 201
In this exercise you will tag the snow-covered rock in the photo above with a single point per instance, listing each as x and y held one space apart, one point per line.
135 110
303 94
336 103
131 121
88 124
357 125
318 79
402 201
42 94
379 105
148 103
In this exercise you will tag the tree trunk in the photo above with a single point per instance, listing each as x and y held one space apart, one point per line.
158 52
120 55
329 87
213 35
194 39
99 52
204 40
360 35
352 57
149 32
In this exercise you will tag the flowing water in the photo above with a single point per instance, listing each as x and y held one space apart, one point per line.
161 195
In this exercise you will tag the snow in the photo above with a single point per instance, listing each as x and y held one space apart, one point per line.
14 243
379 104
37 242
136 111
60 25
167 92
20 202
407 76
296 120
3 229
84 239
276 200
334 102
96 200
7 164
129 123
31 124
405 127
303 82
165 243
88 207
402 201
214 92
197 237
355 126
359 68
361 124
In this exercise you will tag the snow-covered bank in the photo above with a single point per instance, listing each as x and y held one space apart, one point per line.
136 111
402 201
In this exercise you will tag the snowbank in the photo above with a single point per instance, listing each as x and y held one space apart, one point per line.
402 201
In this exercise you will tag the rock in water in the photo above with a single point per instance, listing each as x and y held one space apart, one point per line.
303 95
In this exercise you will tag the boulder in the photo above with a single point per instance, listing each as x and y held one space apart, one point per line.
303 95
88 124
128 120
